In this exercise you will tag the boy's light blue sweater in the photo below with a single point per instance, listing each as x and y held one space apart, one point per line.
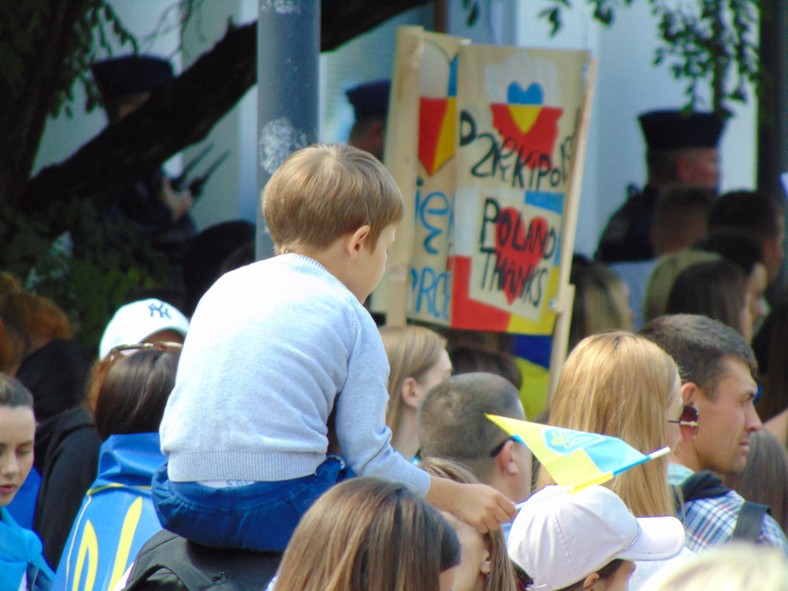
271 348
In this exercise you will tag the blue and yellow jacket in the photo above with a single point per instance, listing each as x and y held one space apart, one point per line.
116 517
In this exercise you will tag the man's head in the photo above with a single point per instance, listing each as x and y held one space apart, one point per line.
370 103
717 368
681 217
453 425
126 82
324 192
758 214
682 148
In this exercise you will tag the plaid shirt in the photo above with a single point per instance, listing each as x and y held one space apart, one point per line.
710 522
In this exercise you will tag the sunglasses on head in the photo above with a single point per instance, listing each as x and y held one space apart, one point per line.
129 349
688 422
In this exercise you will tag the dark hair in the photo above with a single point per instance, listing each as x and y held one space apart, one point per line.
717 289
453 423
600 301
470 359
132 396
735 246
700 346
753 212
13 394
606 571
775 330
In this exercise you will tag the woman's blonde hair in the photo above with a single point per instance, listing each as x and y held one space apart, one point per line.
412 351
621 384
731 567
502 575
367 533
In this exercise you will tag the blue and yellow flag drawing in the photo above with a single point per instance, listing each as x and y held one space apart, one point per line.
576 459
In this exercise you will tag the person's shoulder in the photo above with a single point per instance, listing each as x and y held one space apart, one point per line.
773 534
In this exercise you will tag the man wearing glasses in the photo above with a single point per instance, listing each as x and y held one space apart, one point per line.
717 368
453 426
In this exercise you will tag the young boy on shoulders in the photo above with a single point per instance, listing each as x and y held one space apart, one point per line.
276 348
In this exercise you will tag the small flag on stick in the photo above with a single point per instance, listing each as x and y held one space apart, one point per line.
576 459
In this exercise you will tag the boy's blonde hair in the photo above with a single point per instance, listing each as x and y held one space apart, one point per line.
325 191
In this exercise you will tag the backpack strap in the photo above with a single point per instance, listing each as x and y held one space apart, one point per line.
749 521
167 552
198 568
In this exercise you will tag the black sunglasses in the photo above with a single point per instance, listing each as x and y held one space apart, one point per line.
688 422
497 449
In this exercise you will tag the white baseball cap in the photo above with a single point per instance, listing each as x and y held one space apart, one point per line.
135 322
558 538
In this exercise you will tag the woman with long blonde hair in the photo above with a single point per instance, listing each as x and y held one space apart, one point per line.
623 385
418 360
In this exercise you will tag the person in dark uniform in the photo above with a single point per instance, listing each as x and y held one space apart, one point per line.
370 102
152 203
682 148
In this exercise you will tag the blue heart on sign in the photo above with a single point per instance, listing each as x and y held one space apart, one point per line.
515 95
565 441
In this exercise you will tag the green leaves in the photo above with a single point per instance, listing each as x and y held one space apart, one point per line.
706 44
88 271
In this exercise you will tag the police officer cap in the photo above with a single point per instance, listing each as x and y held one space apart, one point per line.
130 74
370 99
671 130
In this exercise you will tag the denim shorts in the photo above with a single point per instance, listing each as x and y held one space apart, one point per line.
260 516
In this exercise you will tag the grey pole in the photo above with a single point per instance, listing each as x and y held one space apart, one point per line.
288 54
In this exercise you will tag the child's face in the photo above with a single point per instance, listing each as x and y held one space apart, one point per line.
17 432
373 262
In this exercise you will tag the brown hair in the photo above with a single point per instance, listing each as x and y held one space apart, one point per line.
680 216
621 384
700 347
367 533
412 351
502 575
27 320
600 301
131 391
325 191
717 289
452 421
775 398
765 477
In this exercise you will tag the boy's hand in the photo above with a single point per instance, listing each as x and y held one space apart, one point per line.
478 505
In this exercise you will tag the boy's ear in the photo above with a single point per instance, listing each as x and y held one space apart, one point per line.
357 240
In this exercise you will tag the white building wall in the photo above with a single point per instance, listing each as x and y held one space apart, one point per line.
627 84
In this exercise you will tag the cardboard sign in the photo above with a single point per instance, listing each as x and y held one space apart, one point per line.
487 194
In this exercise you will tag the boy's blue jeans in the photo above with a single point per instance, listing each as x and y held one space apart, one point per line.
260 516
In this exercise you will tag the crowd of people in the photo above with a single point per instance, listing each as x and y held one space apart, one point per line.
278 437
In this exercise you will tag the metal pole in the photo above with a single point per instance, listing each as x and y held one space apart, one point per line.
288 53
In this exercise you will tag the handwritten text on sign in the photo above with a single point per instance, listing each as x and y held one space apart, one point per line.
430 280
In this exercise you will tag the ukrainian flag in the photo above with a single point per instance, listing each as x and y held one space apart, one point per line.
576 459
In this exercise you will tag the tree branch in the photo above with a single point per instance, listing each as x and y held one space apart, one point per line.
184 110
